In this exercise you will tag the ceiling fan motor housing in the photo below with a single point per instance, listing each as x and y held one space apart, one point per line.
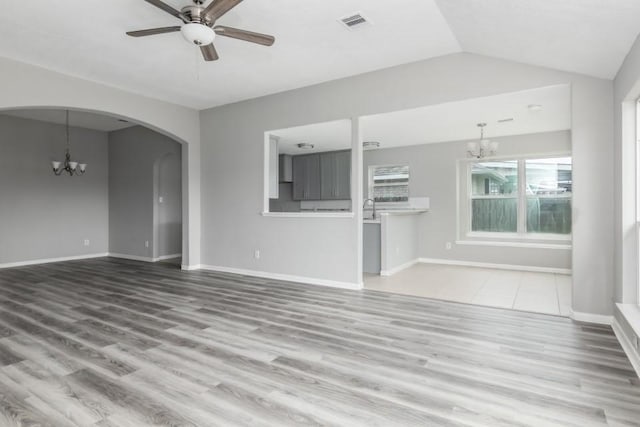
194 14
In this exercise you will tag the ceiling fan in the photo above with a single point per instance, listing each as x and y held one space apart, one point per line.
198 25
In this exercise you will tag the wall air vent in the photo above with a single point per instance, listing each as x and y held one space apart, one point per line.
354 20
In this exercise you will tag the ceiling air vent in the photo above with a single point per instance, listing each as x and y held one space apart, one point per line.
354 20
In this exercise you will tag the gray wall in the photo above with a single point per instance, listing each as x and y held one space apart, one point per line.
144 165
232 151
433 174
45 216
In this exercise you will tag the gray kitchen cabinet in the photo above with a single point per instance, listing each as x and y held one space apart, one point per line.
285 168
306 177
371 248
322 176
335 175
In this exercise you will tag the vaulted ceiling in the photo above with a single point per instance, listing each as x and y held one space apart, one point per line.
87 39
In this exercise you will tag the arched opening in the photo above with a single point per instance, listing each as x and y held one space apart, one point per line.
69 225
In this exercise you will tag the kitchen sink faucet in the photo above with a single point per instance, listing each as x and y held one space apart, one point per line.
373 203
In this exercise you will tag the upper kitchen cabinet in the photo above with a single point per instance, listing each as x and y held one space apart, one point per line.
322 176
285 168
335 175
306 177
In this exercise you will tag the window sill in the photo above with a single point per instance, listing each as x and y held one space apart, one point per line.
520 237
532 245
309 214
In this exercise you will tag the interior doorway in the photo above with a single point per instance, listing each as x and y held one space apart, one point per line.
167 208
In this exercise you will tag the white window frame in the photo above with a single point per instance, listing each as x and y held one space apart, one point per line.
521 235
370 185
637 204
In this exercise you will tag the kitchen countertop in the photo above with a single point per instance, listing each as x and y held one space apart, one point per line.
392 212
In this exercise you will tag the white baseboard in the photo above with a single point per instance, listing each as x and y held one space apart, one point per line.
131 257
285 277
497 266
163 257
88 256
599 319
143 258
399 268
188 267
631 352
50 260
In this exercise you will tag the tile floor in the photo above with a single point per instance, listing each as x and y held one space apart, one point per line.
518 290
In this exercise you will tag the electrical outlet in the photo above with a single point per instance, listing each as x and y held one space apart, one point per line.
160 199
447 246
256 254
397 250
146 244
87 242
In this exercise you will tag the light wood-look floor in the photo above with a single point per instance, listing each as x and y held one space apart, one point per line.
113 343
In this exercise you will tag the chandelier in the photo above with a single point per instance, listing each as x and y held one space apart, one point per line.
69 166
483 147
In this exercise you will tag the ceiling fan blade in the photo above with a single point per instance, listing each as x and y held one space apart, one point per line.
209 52
245 35
217 8
165 7
153 31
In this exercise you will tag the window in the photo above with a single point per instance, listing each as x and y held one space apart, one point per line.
549 195
389 183
523 196
494 196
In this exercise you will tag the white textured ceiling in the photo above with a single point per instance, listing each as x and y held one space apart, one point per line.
80 119
87 39
457 121
327 136
452 121
584 36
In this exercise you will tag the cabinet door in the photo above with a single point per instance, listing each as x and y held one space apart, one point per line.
299 177
306 177
328 176
285 168
343 175
312 172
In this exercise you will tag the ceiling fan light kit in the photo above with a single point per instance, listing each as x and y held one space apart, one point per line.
198 34
198 26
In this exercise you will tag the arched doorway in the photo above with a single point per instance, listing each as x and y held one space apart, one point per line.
190 224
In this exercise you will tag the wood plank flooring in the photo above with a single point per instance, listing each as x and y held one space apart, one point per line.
108 342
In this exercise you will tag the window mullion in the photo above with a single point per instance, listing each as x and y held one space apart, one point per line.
522 197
